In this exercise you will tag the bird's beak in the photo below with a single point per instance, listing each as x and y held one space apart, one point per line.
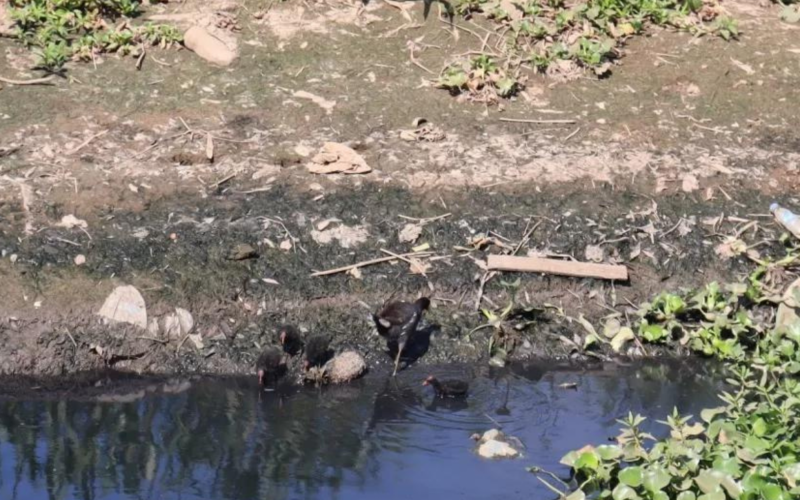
424 382
261 378
283 338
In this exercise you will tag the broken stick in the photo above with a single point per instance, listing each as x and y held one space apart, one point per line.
560 267
369 263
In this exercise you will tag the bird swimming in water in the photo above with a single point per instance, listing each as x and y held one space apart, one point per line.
397 322
447 388
271 366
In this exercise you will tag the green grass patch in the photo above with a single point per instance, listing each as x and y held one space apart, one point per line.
561 38
63 30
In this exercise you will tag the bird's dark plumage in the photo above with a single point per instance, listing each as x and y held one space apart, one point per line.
317 350
290 339
398 321
271 366
448 388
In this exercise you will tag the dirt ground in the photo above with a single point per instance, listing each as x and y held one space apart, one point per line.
687 142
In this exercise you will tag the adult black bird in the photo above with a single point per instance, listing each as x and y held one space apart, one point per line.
447 388
290 339
271 366
317 350
397 322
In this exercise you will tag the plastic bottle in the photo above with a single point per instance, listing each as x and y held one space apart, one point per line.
786 218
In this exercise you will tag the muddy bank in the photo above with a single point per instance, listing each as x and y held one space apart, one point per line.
181 252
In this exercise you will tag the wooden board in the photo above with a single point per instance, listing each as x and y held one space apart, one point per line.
560 267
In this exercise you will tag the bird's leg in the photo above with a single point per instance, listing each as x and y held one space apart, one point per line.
400 347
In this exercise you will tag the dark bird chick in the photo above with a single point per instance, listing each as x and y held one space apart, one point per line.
271 366
317 351
447 388
290 339
397 322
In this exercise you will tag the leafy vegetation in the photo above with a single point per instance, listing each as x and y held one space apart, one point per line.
481 77
562 38
63 30
747 449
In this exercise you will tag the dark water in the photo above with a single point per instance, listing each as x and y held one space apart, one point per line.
379 438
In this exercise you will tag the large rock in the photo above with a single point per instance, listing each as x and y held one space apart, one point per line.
125 305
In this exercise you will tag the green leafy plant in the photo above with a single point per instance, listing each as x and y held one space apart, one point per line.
746 449
481 77
60 30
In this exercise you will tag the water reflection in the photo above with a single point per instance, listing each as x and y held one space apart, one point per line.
382 436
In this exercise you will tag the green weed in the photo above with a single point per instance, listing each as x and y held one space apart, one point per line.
61 30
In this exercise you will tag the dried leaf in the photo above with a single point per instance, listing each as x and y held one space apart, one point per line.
624 335
70 221
337 158
410 233
594 253
689 183
635 251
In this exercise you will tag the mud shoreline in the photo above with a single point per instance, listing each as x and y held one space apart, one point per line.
53 330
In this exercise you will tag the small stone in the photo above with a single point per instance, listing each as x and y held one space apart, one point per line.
242 251
496 449
80 260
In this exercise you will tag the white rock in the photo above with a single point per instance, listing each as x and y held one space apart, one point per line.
125 305
345 367
80 260
492 435
496 449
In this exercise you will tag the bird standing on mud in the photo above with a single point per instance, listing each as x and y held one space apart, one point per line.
290 339
317 351
271 366
397 322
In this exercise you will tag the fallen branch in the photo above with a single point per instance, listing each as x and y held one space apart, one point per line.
38 81
559 267
538 122
368 263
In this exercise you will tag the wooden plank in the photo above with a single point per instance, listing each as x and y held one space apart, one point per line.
560 267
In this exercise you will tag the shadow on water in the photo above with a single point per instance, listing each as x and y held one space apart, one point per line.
387 437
